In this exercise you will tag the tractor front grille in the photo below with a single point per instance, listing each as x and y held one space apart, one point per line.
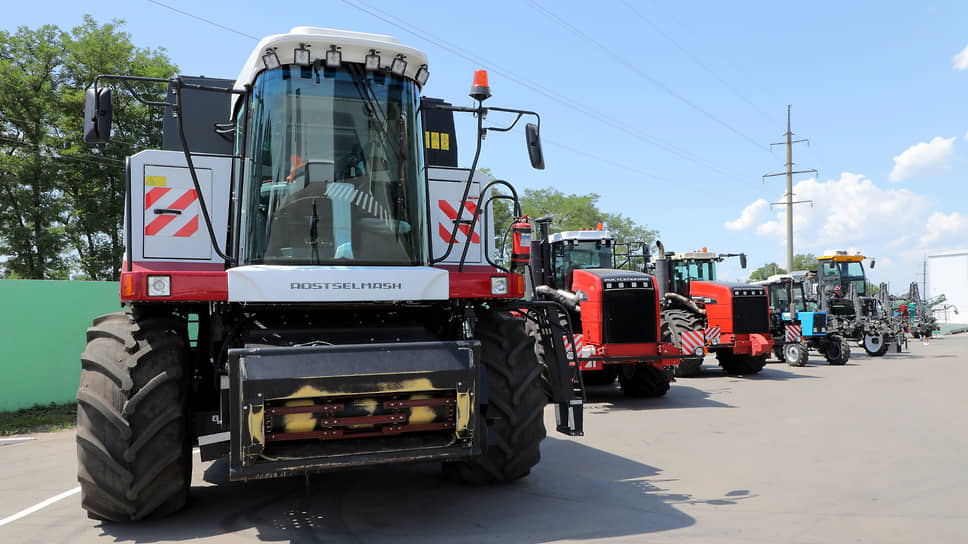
750 314
819 322
629 316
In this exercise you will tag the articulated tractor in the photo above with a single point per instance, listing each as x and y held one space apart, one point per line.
302 293
614 314
704 315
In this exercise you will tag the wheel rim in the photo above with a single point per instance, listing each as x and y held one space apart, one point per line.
872 342
791 352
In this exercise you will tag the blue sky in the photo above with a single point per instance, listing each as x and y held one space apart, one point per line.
667 109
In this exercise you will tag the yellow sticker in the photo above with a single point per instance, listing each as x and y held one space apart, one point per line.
434 140
445 141
156 181
427 138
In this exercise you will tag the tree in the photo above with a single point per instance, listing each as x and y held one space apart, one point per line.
766 271
61 201
804 261
568 212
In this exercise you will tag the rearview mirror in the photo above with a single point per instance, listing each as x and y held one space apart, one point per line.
742 260
872 264
534 146
97 116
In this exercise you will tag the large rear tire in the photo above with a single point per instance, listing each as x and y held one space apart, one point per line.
836 350
643 380
674 322
516 402
740 364
133 447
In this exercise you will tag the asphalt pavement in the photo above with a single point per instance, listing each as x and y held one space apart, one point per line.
873 451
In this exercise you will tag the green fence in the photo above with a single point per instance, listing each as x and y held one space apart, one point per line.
42 326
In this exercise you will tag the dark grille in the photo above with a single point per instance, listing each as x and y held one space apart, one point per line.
819 322
750 315
629 316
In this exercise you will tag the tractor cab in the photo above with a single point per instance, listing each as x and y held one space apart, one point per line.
692 266
838 272
578 250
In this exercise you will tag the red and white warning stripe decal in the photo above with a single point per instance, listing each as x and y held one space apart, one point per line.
793 333
691 341
579 343
172 224
712 335
445 230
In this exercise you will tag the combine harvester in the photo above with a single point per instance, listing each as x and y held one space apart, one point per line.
302 294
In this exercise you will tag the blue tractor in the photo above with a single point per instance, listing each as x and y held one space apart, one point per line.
793 337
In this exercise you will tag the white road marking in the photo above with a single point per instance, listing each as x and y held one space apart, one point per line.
48 502
5 441
38 506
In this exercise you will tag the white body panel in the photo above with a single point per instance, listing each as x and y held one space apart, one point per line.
948 276
271 283
446 188
160 181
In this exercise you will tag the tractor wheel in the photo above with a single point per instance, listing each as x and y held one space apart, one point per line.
875 345
674 322
133 447
515 407
606 376
740 364
643 380
539 352
795 354
836 351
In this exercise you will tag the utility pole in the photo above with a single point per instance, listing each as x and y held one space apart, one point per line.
789 195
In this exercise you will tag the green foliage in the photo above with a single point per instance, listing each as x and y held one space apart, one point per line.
801 261
38 418
766 271
569 212
61 201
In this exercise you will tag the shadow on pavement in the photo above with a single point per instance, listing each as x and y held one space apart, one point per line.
561 499
679 396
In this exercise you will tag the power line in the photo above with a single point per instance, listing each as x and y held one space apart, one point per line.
204 20
529 84
658 30
638 71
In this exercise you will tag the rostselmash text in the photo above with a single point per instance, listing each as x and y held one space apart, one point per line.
348 285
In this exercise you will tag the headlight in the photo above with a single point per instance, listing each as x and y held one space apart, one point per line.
499 285
159 286
699 351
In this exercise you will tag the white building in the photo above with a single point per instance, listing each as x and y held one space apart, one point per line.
948 275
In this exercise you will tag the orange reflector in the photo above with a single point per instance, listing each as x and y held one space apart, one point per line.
518 286
704 250
127 285
599 226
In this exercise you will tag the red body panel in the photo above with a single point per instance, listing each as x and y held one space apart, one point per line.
592 320
206 282
720 314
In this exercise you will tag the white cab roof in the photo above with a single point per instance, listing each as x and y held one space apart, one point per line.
581 235
354 46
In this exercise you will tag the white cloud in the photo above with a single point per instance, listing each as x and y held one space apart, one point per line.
923 159
940 225
850 211
960 61
750 216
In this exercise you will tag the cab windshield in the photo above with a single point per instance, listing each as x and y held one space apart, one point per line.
844 274
571 254
332 169
686 271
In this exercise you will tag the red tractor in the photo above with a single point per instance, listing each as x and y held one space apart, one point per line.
701 314
301 292
614 313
